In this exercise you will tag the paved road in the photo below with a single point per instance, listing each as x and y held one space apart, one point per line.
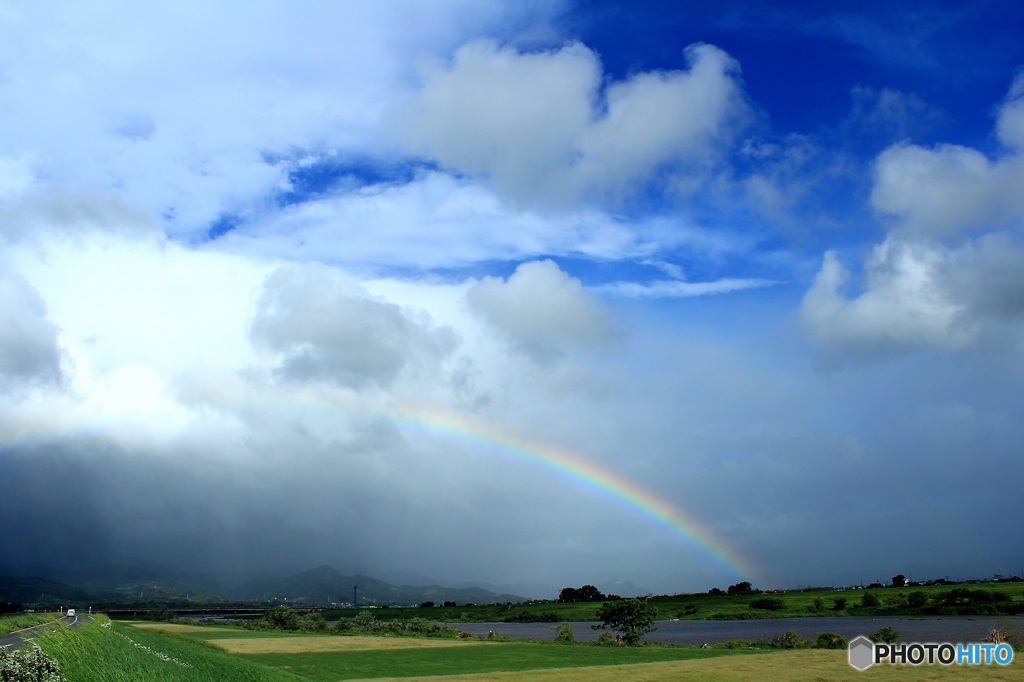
20 638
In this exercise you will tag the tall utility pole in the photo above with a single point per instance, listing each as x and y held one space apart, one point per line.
355 595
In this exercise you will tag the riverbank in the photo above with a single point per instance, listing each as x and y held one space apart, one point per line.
697 632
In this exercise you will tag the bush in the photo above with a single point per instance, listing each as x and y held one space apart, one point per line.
768 604
830 640
607 639
819 604
788 640
365 623
869 600
565 633
840 604
29 666
761 643
1009 633
527 617
887 635
917 599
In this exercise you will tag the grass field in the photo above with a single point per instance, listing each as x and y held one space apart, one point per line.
167 652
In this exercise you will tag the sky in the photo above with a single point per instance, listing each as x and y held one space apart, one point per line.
517 292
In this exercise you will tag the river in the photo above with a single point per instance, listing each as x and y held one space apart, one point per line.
911 629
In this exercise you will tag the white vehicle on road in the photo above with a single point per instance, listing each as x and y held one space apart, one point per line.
71 613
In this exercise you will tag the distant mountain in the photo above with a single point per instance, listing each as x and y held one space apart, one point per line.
320 586
528 590
18 590
325 584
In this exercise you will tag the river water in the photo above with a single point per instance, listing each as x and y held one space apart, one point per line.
911 629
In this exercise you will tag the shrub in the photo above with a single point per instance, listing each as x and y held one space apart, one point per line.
830 640
869 600
565 633
917 599
819 604
607 639
840 604
887 635
788 640
768 604
29 666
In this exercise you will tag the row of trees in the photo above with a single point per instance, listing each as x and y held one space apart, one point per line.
587 593
739 588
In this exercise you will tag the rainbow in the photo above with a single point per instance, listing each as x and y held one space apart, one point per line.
583 473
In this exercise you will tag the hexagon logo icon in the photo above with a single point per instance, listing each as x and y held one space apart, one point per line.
862 653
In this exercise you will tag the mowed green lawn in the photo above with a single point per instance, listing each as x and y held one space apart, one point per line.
167 652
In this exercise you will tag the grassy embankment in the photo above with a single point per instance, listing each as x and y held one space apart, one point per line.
181 652
18 621
170 652
939 600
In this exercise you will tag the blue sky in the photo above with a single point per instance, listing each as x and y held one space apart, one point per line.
762 261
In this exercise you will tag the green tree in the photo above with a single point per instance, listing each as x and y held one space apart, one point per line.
632 617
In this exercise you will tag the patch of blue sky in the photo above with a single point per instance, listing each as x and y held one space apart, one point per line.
314 177
802 61
223 225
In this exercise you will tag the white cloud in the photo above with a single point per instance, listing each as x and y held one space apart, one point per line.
947 190
179 108
542 310
904 304
437 221
948 273
680 289
950 189
920 295
545 132
1010 124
